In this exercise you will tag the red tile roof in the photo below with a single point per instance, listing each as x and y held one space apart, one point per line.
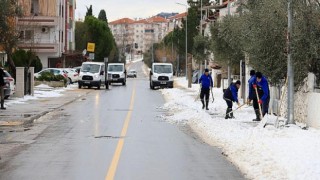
141 21
179 16
122 21
157 19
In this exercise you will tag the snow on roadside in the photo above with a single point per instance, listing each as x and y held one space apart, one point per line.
260 153
41 91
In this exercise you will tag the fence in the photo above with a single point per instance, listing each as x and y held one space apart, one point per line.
306 101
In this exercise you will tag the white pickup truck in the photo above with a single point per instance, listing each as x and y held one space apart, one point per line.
117 73
92 74
161 75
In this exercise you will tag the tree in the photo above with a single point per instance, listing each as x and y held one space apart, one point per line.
260 32
95 31
226 41
199 48
103 16
89 11
306 41
9 10
265 38
81 36
27 59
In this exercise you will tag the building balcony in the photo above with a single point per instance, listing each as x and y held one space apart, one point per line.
37 21
70 24
40 47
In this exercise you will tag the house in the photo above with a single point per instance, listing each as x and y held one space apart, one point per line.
47 28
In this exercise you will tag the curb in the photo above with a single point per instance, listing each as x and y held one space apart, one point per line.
33 118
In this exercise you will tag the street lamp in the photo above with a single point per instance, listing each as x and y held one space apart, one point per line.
229 68
186 37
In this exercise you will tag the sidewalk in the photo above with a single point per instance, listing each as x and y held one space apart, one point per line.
22 111
259 153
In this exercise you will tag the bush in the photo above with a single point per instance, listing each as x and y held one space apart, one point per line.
48 76
22 58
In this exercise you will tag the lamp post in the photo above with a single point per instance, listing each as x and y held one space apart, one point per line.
229 68
290 73
186 37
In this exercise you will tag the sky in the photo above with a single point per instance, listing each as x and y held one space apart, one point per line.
117 9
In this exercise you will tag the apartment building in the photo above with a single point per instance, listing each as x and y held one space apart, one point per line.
176 21
122 30
138 35
47 28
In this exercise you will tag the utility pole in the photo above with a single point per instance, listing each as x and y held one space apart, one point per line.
152 31
201 17
229 68
187 43
186 39
205 61
178 59
290 73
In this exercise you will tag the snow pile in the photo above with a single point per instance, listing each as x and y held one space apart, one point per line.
260 153
41 91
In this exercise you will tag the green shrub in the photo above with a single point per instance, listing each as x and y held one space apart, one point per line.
49 76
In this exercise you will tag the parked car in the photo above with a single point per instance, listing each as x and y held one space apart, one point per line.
195 76
55 71
77 69
132 73
73 75
10 87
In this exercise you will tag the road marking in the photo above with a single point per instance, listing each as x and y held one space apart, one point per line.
115 160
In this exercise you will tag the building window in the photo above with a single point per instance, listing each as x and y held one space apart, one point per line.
28 34
21 35
35 7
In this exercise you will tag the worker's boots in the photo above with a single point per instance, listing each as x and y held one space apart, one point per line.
2 105
257 115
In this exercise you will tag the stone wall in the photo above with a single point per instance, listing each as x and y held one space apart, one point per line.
51 83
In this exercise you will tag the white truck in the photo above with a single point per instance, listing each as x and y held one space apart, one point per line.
161 75
116 73
92 74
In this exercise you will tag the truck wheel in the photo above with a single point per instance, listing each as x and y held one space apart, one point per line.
151 86
99 85
70 81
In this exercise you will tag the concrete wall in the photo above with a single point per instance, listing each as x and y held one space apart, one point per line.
19 82
313 110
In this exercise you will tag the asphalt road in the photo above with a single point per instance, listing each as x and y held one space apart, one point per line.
117 134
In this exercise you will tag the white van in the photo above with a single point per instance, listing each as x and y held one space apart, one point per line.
116 73
92 74
161 75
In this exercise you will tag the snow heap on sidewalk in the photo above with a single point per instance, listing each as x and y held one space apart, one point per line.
259 153
40 91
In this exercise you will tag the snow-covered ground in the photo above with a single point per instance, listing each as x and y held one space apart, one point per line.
260 153
40 91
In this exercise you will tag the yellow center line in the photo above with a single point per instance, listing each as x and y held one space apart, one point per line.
115 160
